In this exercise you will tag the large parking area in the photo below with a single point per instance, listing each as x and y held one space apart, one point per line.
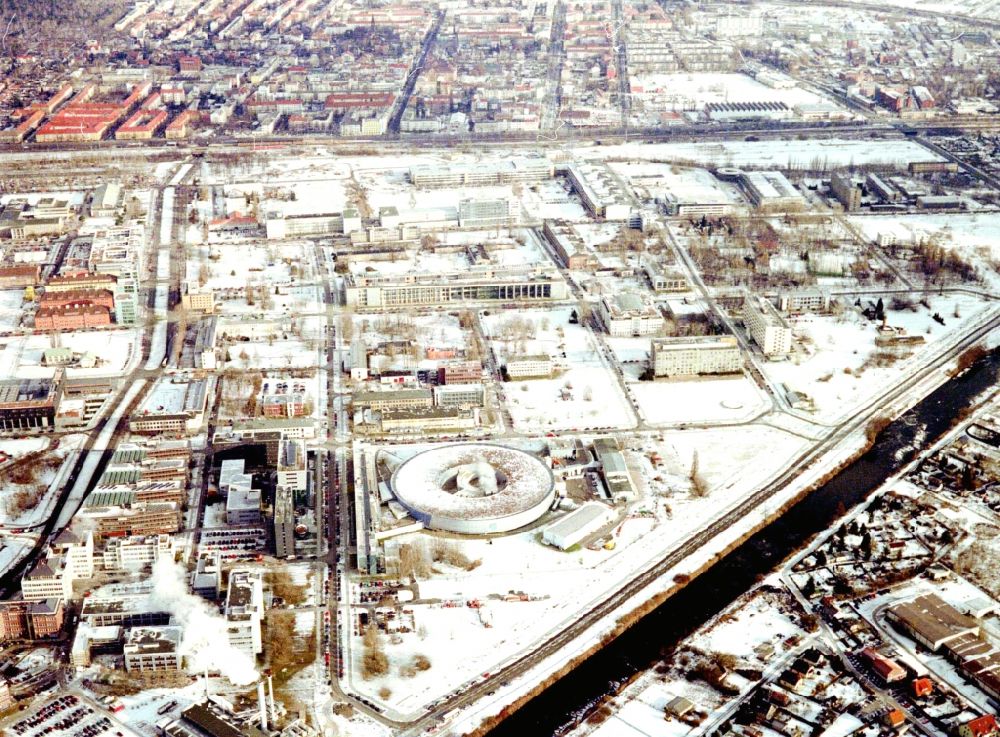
66 716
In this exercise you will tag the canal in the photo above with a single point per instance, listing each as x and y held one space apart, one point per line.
639 648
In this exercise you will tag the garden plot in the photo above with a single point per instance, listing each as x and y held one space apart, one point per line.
583 393
836 363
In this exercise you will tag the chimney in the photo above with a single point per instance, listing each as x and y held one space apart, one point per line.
270 694
263 706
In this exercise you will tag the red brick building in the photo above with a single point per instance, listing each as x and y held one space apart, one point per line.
81 280
21 620
72 317
78 298
22 275
460 372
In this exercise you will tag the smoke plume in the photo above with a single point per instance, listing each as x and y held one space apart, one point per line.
204 643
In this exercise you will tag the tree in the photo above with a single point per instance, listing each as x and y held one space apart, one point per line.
699 486
374 662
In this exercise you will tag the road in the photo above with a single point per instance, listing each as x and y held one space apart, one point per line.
10 582
392 128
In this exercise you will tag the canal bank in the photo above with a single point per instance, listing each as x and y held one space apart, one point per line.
580 684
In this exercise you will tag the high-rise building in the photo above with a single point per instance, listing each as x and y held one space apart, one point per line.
245 610
284 523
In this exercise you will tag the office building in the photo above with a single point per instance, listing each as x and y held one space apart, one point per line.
530 284
629 314
768 329
244 611
672 357
151 649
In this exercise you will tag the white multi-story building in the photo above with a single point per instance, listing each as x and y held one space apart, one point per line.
532 284
486 213
292 466
78 552
482 173
50 578
630 314
458 395
136 552
770 191
150 649
529 367
242 500
716 354
767 327
245 610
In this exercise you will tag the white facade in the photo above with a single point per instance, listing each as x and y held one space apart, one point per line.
526 367
577 525
245 610
767 327
138 551
630 314
694 356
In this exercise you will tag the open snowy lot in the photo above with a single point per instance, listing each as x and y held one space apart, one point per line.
837 363
771 154
583 392
114 350
11 309
722 399
694 90
974 236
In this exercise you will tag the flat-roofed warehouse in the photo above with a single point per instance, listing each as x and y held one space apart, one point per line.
28 404
932 621
576 526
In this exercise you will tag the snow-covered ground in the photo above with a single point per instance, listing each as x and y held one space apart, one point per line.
560 584
835 364
694 90
584 392
724 399
974 236
781 154
11 309
21 356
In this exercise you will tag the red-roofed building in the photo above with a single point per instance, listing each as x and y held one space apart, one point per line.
922 687
72 317
189 64
984 726
888 670
895 718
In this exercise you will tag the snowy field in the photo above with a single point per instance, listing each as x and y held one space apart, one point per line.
976 8
11 309
723 399
780 154
583 394
835 364
558 584
686 183
692 91
976 237
21 356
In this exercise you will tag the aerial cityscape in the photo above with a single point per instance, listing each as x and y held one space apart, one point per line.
577 368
